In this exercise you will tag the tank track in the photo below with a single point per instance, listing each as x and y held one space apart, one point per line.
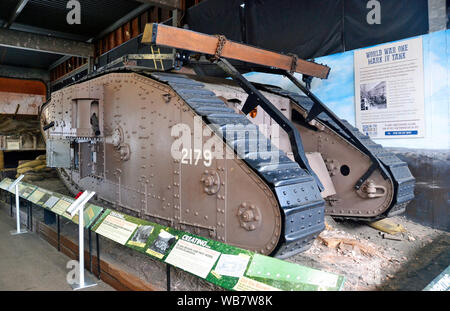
297 193
398 170
301 204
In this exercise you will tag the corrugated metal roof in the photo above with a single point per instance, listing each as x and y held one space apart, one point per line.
26 58
48 17
95 15
6 8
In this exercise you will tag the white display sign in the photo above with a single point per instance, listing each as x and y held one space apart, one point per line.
116 228
389 90
193 258
232 265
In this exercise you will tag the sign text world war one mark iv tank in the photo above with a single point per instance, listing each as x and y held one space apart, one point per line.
193 151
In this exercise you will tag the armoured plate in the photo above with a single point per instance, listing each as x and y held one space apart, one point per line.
338 150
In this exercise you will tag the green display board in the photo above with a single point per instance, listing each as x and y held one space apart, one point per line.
53 201
227 266
5 183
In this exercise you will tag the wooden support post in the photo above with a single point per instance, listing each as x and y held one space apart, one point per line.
154 16
111 40
119 36
135 27
126 32
143 21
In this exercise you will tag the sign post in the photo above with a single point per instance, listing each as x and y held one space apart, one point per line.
16 185
78 207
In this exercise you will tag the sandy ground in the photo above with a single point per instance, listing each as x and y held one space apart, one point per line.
370 261
408 260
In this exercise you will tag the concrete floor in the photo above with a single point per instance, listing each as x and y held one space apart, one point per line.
29 263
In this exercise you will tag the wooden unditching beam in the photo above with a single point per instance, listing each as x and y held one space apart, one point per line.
179 38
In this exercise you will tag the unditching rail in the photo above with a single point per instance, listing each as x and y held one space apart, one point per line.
227 266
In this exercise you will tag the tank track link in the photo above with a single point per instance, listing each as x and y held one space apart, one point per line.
398 170
296 191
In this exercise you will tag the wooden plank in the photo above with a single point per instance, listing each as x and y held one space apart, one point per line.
154 16
143 20
126 32
103 45
112 40
165 14
135 27
119 36
194 41
98 48
72 63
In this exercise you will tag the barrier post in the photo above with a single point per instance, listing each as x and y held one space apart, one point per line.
78 207
16 185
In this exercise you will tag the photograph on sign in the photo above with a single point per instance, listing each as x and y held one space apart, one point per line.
51 202
141 236
26 191
162 244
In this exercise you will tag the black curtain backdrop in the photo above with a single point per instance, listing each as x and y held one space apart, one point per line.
309 28
399 19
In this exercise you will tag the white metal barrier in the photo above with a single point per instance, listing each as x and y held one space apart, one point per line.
16 185
78 207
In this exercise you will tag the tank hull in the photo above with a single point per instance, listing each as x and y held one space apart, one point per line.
131 155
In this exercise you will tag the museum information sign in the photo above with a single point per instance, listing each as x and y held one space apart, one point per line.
225 265
389 90
55 202
193 255
117 228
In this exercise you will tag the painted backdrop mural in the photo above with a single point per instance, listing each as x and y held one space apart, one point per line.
427 157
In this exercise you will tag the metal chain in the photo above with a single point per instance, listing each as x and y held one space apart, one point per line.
220 44
293 63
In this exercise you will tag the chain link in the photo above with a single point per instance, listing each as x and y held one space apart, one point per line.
293 63
220 44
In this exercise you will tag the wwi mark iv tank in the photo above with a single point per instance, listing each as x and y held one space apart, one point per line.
116 132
